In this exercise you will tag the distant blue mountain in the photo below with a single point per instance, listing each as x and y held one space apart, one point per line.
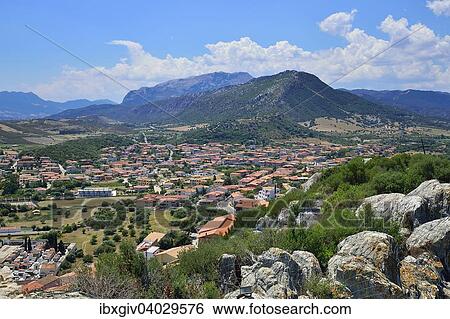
191 85
21 105
429 103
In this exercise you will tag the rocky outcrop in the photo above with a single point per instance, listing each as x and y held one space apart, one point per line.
229 277
281 221
422 277
309 265
432 237
278 274
437 196
366 264
427 202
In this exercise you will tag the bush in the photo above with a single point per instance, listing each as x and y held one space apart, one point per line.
87 259
174 239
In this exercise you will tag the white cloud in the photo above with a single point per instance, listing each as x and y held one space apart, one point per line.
439 7
421 61
339 23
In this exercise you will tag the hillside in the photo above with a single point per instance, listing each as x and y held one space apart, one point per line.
21 105
297 96
428 103
179 87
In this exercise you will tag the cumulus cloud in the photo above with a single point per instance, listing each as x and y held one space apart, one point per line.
339 23
439 7
421 61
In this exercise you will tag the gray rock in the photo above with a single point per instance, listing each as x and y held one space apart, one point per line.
309 265
229 280
278 274
437 196
422 277
265 222
283 217
366 264
407 211
378 248
433 237
281 221
362 279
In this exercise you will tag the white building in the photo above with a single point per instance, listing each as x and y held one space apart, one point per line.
266 193
96 192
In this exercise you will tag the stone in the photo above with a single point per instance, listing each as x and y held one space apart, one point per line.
432 237
429 201
407 211
437 196
366 264
378 248
422 277
309 265
362 279
278 274
8 288
229 280
265 222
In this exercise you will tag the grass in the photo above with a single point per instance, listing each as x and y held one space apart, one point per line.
83 240
160 221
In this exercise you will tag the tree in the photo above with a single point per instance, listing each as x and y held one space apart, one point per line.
87 259
52 240
10 184
61 247
29 247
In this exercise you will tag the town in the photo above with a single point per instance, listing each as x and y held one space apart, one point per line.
147 192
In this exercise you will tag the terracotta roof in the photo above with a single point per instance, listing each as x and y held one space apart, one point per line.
218 226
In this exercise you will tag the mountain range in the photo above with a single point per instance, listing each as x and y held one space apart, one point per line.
21 105
179 87
428 103
285 98
291 95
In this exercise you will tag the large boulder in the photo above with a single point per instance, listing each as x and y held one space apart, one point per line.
429 201
229 278
278 274
437 196
265 222
281 221
366 264
432 237
309 265
422 277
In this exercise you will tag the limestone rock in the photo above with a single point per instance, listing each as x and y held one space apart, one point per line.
309 264
8 288
433 237
278 274
437 196
265 222
229 280
429 201
407 211
422 277
366 264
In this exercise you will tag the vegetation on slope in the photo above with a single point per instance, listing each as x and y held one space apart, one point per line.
197 274
85 148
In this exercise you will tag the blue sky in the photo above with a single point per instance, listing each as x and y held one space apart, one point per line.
151 30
